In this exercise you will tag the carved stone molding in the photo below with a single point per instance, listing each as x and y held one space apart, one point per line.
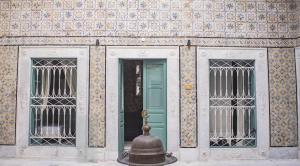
135 41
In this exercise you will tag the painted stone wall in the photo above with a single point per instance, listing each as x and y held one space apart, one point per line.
188 88
8 95
97 97
202 18
283 100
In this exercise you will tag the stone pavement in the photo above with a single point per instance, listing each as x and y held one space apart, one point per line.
37 162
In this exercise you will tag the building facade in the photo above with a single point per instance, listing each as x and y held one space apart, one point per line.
218 78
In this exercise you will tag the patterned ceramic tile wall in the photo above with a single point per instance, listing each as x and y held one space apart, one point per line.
152 18
97 97
188 106
8 82
204 18
283 102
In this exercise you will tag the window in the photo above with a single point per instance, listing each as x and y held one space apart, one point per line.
232 118
53 101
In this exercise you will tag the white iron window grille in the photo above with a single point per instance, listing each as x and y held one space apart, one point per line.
232 103
53 101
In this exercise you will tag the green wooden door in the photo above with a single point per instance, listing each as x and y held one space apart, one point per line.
154 99
121 108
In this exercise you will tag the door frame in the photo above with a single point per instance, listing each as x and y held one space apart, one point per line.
114 54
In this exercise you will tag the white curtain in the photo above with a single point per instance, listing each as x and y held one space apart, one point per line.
71 77
45 89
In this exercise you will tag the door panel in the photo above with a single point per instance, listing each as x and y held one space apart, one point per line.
121 108
154 98
154 90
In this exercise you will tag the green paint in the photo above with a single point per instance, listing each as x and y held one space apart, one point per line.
154 99
121 108
32 92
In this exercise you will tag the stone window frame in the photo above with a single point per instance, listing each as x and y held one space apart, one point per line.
26 53
204 54
297 57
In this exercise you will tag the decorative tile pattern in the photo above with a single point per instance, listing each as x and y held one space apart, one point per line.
298 42
97 97
188 103
203 42
8 84
237 23
283 102
201 18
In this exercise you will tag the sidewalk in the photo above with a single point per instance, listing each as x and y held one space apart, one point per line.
36 162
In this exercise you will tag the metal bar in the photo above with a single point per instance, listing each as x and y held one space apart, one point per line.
58 120
226 122
71 71
221 119
53 90
243 79
59 77
48 82
237 83
248 82
42 117
54 105
238 126
243 122
249 125
215 132
53 120
218 68
70 115
235 138
47 118
42 85
215 79
231 125
63 137
237 98
232 95
232 132
232 106
226 86
36 119
58 67
65 81
64 133
220 83
37 83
